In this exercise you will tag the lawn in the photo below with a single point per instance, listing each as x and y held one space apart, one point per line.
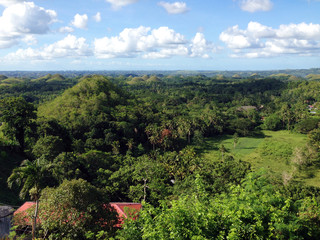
272 150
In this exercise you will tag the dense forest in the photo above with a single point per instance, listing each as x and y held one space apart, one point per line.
209 157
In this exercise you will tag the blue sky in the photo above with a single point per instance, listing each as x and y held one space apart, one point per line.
159 34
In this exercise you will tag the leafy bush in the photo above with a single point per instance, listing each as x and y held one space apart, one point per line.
307 125
252 210
272 122
74 208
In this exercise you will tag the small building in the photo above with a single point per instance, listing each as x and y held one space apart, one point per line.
124 210
6 213
246 108
24 207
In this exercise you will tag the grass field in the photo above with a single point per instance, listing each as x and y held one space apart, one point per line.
272 150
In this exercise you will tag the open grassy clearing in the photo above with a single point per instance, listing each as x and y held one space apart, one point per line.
271 150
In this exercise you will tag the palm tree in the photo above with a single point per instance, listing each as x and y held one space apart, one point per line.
153 133
29 175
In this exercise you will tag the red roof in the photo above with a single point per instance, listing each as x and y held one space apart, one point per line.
124 210
24 207
21 211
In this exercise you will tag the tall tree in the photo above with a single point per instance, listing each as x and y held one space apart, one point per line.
153 132
18 114
287 115
73 209
30 177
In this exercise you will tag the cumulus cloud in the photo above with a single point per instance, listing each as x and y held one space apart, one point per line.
174 8
180 50
200 47
21 19
134 40
141 42
118 4
151 43
30 40
7 3
97 17
66 29
70 46
80 21
256 5
262 41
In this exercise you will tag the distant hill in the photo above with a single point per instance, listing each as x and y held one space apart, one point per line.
153 79
244 74
236 76
50 78
3 77
285 76
143 80
7 81
280 75
313 76
79 105
255 76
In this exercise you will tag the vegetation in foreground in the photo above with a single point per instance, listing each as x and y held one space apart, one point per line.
185 146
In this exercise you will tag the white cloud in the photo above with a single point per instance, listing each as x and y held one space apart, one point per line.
30 40
180 50
300 31
66 29
235 38
21 19
118 4
7 3
80 21
174 8
97 17
249 38
200 47
263 41
70 46
141 42
132 41
256 5
162 42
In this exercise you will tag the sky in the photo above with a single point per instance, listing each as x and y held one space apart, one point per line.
244 35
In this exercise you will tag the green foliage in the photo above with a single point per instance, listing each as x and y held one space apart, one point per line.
314 138
151 181
253 210
83 103
272 122
180 164
48 147
98 115
29 175
8 161
73 209
218 175
307 125
140 178
137 142
47 127
275 149
18 115
93 166
242 126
